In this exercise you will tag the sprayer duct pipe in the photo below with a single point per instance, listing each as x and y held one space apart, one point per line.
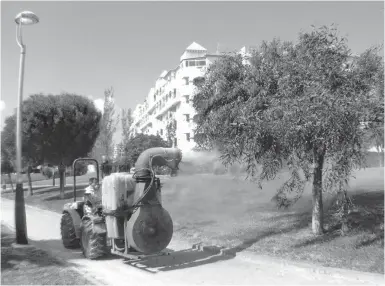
170 157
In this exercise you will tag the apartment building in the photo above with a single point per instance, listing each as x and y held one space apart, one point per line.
170 99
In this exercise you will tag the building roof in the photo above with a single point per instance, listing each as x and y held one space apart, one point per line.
195 47
163 74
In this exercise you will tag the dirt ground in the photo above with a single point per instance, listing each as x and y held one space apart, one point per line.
32 266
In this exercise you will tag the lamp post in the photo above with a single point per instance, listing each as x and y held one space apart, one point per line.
23 18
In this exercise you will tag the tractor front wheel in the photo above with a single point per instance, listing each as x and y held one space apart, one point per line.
93 244
68 233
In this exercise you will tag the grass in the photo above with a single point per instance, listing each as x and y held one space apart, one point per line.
48 198
44 182
35 177
219 210
225 211
32 266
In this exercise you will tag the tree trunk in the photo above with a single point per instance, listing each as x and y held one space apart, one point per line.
65 177
61 178
380 156
53 177
10 180
317 215
29 169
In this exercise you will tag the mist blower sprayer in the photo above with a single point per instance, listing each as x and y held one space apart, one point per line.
130 220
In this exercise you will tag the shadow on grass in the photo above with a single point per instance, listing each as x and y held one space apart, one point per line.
366 218
297 221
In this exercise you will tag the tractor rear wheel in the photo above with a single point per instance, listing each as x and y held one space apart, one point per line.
93 244
68 233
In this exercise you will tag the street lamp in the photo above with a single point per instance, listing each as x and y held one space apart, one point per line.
23 18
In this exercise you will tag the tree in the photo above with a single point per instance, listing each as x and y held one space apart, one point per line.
56 129
108 123
127 121
374 125
140 143
293 104
30 152
7 168
171 131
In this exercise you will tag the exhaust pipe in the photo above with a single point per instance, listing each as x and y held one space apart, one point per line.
158 156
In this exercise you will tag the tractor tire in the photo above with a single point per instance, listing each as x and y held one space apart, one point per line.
68 233
93 244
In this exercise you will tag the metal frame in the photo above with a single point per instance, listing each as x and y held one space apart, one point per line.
133 255
73 169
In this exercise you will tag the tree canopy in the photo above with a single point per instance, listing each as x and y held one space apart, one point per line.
297 104
104 145
140 143
126 121
56 129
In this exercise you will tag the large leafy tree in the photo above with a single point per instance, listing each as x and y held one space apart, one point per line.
294 104
140 143
30 151
57 129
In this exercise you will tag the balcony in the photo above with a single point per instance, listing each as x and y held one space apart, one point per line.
167 105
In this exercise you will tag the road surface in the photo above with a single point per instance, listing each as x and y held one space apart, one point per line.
184 266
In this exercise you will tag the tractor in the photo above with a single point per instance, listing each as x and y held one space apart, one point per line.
130 220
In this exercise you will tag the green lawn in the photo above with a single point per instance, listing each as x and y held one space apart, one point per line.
228 212
34 177
38 180
223 211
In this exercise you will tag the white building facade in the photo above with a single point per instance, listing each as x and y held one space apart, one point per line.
170 100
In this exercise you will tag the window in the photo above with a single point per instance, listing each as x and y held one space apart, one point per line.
187 117
187 98
186 80
175 142
161 131
188 137
174 92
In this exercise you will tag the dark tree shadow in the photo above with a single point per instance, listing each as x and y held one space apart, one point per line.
298 221
33 253
367 216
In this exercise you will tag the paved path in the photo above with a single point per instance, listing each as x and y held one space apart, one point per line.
184 266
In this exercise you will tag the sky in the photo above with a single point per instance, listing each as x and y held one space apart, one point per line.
86 47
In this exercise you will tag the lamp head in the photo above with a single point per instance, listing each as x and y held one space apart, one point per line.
26 18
